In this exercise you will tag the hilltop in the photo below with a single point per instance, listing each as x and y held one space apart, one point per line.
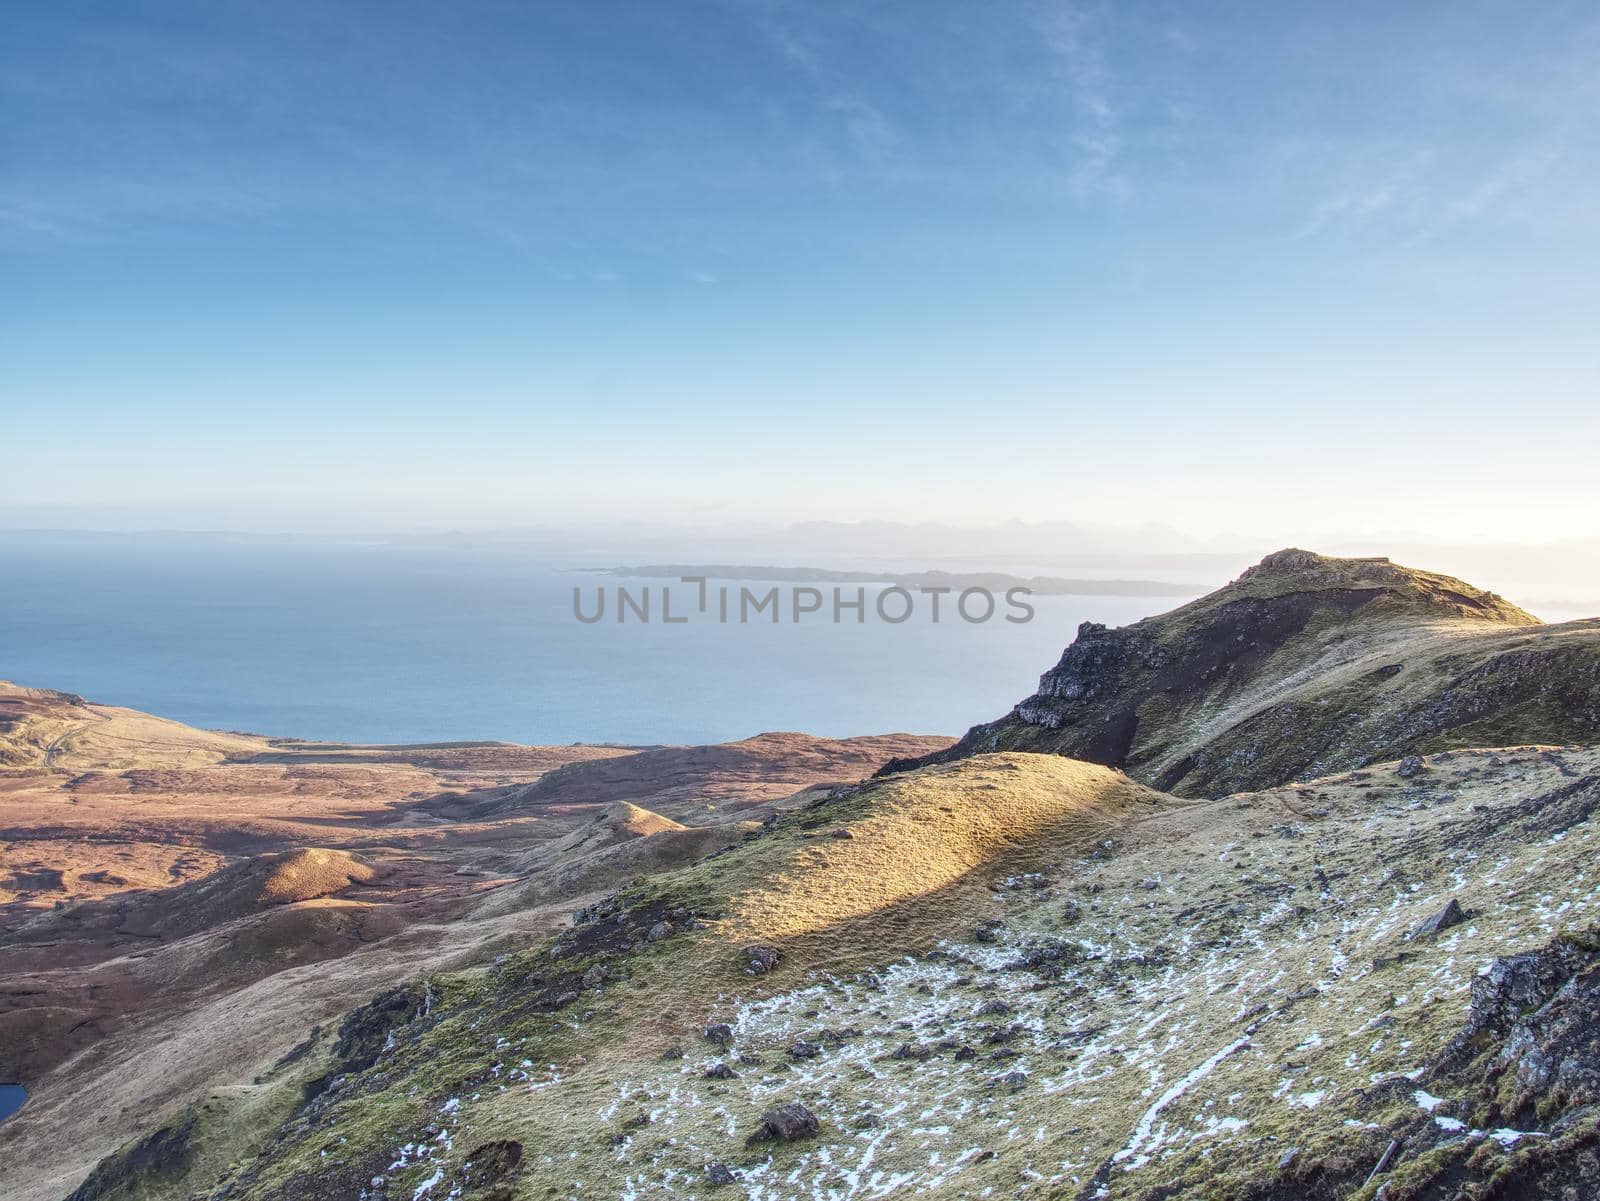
1304 666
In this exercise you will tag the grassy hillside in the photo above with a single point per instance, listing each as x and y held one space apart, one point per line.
1018 976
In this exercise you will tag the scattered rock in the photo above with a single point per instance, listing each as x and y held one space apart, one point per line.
719 1173
802 1049
1411 765
989 931
659 931
758 961
720 1071
1001 1035
785 1124
1451 915
721 1033
843 832
1041 952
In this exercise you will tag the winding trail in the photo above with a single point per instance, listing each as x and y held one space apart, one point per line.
50 751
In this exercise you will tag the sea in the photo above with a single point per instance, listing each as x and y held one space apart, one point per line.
372 641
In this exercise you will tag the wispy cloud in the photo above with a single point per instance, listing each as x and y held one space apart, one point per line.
20 217
800 40
1395 188
1075 36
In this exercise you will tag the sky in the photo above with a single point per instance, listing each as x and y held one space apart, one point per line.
1293 271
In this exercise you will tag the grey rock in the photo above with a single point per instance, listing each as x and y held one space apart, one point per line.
785 1124
758 960
1451 915
1411 765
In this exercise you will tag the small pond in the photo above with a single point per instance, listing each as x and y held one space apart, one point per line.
11 1098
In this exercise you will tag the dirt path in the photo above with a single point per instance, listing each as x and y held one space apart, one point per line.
50 751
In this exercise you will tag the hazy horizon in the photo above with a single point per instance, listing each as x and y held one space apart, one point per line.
1557 579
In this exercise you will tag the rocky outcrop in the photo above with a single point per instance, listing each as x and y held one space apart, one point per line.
1304 666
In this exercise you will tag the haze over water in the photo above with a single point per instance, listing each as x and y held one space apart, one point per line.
357 643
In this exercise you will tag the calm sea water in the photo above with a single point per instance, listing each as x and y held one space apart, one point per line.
376 644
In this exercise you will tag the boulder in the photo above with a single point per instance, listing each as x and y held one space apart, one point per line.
1451 915
785 1124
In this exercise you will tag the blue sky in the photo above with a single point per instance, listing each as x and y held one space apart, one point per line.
1290 269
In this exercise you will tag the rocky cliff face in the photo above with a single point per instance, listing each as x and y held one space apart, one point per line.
1303 666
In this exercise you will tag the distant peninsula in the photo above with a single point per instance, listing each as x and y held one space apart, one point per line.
994 581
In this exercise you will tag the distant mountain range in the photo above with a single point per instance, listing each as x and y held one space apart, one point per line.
994 581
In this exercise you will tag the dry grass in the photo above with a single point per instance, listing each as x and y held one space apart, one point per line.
917 836
312 872
633 822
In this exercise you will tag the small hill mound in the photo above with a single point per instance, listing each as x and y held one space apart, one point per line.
307 874
630 821
1304 666
236 891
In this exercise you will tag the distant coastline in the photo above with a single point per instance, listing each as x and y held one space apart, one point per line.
993 580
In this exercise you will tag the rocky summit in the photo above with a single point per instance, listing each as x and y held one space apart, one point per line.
1304 666
1289 893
